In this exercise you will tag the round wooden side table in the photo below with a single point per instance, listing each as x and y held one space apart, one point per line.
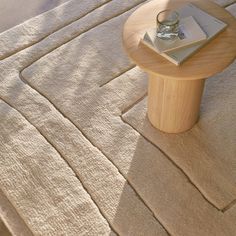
174 92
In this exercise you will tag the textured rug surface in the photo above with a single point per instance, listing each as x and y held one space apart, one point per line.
78 155
14 12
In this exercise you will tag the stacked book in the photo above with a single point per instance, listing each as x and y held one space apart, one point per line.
196 29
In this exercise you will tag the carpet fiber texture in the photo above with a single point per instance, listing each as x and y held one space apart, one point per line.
78 155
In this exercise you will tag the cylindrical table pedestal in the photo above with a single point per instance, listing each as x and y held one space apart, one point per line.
173 105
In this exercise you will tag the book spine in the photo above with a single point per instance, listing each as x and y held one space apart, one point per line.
185 46
161 54
177 63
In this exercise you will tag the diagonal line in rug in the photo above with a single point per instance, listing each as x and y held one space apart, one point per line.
95 111
97 104
19 38
11 218
97 43
39 183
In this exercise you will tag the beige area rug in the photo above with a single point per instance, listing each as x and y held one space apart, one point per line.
77 153
15 12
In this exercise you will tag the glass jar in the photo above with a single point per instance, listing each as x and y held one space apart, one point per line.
167 25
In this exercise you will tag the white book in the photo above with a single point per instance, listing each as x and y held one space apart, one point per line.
189 33
208 23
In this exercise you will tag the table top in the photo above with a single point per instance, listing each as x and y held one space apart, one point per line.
212 58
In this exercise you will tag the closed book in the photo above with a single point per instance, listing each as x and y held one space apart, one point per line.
208 23
189 33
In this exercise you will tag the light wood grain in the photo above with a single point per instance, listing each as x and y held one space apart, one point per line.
174 93
209 60
173 105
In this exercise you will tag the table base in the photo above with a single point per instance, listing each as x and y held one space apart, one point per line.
173 105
